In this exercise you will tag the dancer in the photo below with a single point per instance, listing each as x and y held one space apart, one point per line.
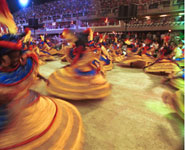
44 53
137 56
116 51
81 80
104 58
164 63
29 121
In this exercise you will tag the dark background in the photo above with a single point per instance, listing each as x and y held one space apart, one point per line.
14 5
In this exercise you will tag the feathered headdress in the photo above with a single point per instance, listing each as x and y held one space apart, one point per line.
6 17
128 42
27 37
68 35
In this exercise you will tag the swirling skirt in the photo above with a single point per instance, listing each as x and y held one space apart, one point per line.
45 123
67 84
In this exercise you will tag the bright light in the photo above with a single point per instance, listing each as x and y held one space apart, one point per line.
147 17
181 14
24 3
163 15
169 30
106 20
54 24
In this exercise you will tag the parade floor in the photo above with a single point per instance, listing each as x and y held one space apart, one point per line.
131 118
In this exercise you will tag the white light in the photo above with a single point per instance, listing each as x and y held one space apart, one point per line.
23 2
147 17
54 24
163 15
181 14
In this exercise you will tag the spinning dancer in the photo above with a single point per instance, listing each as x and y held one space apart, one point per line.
81 80
29 121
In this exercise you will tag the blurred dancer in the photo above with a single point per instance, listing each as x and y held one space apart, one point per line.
29 121
81 80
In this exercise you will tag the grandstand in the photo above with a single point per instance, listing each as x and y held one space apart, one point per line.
102 15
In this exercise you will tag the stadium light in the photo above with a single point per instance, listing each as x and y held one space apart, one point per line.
23 3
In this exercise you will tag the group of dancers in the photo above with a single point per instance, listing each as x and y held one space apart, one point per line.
32 121
90 56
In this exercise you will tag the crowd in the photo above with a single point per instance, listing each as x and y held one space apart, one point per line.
30 120
57 10
157 21
73 8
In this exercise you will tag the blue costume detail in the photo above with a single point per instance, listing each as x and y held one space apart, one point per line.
71 53
147 54
45 52
91 43
82 73
134 50
179 59
94 62
7 78
10 38
103 43
107 61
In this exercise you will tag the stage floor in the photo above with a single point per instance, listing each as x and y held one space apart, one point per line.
131 118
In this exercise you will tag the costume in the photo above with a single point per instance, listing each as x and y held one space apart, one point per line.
164 63
104 58
116 52
44 53
29 121
81 80
177 80
136 57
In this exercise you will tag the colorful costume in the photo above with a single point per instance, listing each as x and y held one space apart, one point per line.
176 80
104 58
44 54
29 121
164 64
133 59
81 80
116 52
179 56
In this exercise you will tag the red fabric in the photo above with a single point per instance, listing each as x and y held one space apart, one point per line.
101 36
166 38
183 51
163 52
26 30
33 56
11 45
4 8
87 31
78 51
145 50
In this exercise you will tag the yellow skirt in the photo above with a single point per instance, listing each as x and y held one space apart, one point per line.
177 83
133 61
53 51
45 124
108 67
175 101
163 66
66 84
41 62
118 59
